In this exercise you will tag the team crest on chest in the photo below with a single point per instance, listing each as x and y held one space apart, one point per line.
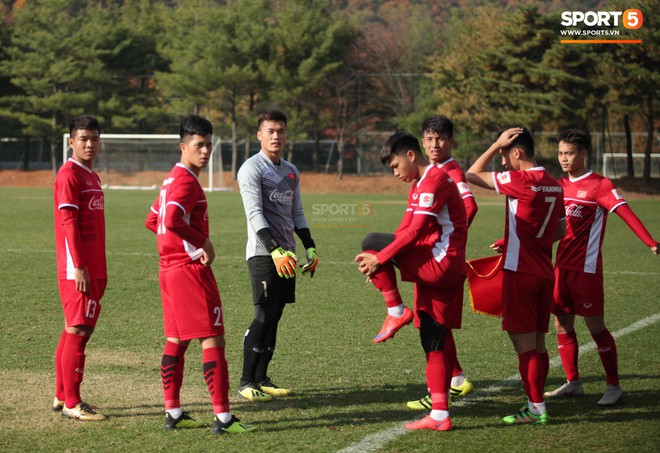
582 194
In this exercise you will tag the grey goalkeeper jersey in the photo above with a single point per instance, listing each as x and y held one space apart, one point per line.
271 199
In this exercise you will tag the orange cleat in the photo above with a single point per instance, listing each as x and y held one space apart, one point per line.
430 423
392 325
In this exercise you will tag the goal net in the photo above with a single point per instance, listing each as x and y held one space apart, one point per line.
141 161
615 165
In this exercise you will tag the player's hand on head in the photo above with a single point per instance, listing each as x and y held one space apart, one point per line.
508 136
285 262
312 262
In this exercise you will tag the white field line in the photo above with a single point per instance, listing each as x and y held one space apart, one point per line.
380 439
242 258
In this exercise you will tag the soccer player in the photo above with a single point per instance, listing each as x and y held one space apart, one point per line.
81 265
588 197
429 250
270 189
189 293
534 221
437 141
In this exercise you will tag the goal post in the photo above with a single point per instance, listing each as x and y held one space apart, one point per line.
141 161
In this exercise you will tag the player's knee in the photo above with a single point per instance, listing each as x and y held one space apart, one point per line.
369 242
431 333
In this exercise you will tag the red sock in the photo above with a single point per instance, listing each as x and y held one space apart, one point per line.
450 350
531 372
59 378
73 367
385 281
217 378
568 352
171 373
608 355
545 363
438 378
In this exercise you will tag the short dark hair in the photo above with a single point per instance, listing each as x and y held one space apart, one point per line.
525 141
576 137
399 143
84 122
438 124
195 125
271 115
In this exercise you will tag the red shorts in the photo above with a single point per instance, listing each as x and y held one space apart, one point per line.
191 302
444 305
420 266
527 301
578 293
81 309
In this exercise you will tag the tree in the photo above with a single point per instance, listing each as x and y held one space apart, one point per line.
60 71
307 45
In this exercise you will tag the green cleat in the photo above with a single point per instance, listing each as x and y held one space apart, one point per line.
233 426
526 417
184 421
461 390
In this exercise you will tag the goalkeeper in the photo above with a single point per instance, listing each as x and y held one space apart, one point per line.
270 189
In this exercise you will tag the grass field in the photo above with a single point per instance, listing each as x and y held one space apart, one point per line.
347 389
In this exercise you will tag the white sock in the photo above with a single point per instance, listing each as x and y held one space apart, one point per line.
458 380
224 417
175 413
395 312
438 415
536 408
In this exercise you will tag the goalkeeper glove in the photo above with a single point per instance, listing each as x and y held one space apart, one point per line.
285 262
312 262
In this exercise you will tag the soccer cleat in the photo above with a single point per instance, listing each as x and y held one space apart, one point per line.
184 421
253 392
233 426
267 386
461 390
58 405
613 395
392 325
526 417
83 412
569 388
430 423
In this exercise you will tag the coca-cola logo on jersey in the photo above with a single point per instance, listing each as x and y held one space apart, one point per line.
283 197
574 210
96 203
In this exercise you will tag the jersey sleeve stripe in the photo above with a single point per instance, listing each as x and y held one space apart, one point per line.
177 204
67 205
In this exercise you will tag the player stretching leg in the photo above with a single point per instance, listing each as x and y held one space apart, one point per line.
190 297
438 141
81 265
534 221
429 249
588 197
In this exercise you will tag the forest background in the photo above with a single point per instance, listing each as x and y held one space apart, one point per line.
342 70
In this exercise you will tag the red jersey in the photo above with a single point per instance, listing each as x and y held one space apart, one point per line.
534 206
456 173
587 200
79 221
179 217
435 219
